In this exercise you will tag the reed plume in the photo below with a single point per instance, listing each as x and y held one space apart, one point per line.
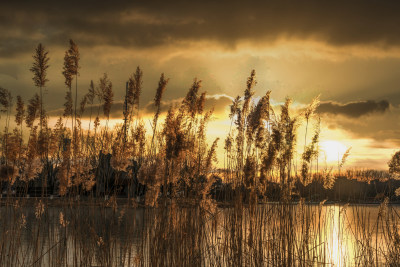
68 70
248 93
162 85
5 99
211 156
68 104
310 152
190 101
311 108
344 159
32 111
107 94
132 97
39 69
20 111
82 105
40 66
138 81
200 103
74 57
234 107
257 121
91 93
173 134
345 156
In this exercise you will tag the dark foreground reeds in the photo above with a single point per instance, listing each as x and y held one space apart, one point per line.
61 184
116 233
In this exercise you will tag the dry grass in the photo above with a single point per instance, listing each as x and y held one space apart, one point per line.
170 217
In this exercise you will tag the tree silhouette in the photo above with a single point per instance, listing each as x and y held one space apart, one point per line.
394 164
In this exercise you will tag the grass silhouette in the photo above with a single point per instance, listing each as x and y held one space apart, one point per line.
173 211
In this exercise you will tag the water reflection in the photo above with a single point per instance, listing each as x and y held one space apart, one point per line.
339 242
273 234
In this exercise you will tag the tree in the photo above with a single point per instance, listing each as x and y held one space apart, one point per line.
394 169
394 164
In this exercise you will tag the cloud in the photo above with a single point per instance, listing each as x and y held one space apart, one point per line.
219 103
383 128
153 23
353 109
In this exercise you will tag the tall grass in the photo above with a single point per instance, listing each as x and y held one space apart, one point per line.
175 212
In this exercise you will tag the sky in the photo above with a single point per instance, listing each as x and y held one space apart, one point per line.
347 52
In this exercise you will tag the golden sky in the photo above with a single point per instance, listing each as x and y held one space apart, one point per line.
348 52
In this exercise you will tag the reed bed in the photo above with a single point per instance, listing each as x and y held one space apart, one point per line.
127 196
273 234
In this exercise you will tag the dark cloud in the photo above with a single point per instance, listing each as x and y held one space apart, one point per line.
219 103
353 109
383 128
154 23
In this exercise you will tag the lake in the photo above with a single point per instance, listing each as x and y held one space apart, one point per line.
114 234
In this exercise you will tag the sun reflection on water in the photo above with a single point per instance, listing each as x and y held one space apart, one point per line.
338 246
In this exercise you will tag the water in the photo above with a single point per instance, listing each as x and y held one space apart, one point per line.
272 234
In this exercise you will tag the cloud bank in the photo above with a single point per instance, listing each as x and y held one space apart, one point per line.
154 23
353 109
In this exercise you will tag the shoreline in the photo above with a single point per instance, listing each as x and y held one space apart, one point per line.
103 202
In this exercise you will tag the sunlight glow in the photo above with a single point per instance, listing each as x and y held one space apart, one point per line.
332 150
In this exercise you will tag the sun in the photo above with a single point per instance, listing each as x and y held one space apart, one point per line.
332 150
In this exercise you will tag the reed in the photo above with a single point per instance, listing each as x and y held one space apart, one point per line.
119 196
